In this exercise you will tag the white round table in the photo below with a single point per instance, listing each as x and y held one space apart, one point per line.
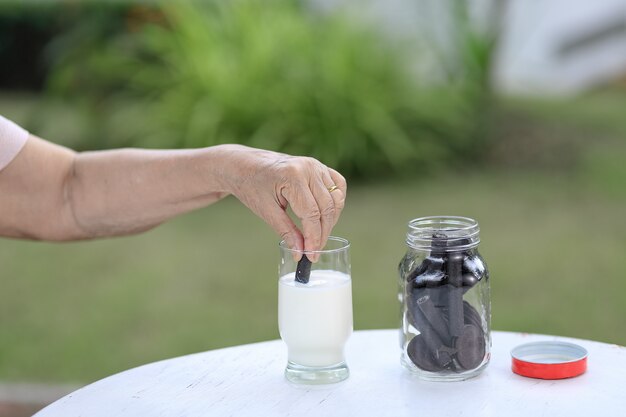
248 381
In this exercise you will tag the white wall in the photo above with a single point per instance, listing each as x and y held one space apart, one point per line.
527 60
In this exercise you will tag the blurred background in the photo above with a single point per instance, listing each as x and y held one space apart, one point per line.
510 112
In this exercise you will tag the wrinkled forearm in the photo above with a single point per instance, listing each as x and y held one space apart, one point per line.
52 193
126 191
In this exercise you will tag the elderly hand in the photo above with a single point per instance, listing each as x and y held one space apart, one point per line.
269 182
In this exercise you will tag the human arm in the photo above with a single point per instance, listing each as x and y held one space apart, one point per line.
49 192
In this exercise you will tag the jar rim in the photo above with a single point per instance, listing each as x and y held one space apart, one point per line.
460 233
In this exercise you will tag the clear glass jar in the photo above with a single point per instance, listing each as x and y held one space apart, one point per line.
445 332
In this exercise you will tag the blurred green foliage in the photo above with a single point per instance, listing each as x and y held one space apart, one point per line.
276 75
26 28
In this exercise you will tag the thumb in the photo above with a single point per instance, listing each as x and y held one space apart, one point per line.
286 229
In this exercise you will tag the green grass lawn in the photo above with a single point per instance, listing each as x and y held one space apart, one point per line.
555 242
80 311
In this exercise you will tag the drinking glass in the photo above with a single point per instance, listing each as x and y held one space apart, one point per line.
315 318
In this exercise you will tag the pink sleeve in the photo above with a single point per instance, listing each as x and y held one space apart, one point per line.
12 139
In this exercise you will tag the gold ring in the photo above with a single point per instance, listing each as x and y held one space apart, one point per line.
331 189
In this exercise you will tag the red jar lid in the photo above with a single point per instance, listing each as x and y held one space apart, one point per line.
549 360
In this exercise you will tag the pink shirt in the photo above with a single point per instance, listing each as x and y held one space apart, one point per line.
12 139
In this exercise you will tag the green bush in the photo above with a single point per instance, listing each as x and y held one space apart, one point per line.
276 75
26 28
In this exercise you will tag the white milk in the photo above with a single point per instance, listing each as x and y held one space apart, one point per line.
315 319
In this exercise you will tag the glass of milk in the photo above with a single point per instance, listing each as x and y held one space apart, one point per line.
315 319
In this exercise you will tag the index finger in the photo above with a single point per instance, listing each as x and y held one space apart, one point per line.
305 207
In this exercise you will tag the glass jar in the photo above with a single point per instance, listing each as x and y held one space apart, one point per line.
445 303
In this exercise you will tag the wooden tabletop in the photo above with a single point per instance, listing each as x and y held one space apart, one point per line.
248 381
